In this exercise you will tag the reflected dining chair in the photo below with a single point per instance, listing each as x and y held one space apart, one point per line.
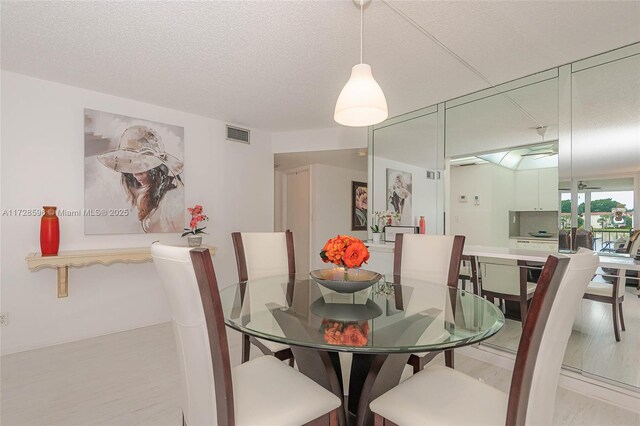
434 395
263 255
259 392
434 258
506 279
469 272
612 292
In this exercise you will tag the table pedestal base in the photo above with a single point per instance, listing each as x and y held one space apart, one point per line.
371 376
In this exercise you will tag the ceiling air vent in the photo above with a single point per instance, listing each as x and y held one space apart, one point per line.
236 134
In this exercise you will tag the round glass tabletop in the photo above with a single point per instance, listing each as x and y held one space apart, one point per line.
411 316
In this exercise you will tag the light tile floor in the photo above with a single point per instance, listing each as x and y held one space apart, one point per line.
592 347
131 378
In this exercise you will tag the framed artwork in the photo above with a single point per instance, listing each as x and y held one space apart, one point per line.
133 175
399 194
358 206
390 231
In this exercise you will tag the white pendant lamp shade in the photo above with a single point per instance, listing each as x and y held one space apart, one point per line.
361 102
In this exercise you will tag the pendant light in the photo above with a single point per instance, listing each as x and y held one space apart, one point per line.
361 102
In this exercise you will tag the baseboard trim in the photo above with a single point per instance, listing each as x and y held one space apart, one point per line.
573 381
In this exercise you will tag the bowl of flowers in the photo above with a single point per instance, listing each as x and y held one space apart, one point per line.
348 254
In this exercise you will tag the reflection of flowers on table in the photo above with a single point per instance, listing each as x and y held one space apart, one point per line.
345 333
345 250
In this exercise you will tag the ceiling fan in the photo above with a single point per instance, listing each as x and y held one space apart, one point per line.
582 186
543 152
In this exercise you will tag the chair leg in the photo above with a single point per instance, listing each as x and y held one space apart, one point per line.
378 420
524 309
621 317
333 416
616 331
246 347
448 358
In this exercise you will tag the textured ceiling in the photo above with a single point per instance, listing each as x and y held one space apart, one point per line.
280 65
354 159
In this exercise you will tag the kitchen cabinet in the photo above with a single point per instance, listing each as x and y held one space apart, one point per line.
536 190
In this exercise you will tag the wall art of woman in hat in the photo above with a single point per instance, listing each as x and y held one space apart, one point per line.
150 179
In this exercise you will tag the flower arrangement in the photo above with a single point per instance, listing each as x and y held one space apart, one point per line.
196 217
345 333
386 217
345 251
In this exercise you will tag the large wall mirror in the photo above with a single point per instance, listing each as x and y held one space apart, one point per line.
600 198
548 162
502 149
406 170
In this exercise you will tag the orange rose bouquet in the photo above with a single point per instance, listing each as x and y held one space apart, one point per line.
345 251
345 333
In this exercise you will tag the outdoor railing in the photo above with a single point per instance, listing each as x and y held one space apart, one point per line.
605 239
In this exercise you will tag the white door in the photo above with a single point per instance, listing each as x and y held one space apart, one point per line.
298 216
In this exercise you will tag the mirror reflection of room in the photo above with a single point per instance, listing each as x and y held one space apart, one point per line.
514 191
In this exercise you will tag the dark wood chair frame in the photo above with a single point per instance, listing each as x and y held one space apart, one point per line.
219 345
529 346
523 298
418 362
241 262
473 278
615 300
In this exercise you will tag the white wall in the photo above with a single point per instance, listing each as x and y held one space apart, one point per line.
331 206
319 139
42 163
487 223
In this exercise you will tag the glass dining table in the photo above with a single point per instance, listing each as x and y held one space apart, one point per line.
381 326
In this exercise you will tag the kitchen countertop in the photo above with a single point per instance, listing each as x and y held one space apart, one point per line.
553 239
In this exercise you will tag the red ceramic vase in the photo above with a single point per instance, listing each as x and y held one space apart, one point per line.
49 232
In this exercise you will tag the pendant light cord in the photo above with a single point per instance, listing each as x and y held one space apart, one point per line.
361 26
457 58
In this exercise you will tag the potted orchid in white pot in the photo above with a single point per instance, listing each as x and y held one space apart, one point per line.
195 240
377 233
382 219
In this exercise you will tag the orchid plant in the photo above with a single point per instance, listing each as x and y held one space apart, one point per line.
385 217
196 217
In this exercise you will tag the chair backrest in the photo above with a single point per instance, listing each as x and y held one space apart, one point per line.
503 276
634 243
545 336
434 258
190 283
583 238
264 254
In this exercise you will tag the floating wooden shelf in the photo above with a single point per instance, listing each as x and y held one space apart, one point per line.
79 258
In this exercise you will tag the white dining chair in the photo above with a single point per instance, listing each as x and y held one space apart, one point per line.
433 396
259 392
506 279
263 255
432 258
601 290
